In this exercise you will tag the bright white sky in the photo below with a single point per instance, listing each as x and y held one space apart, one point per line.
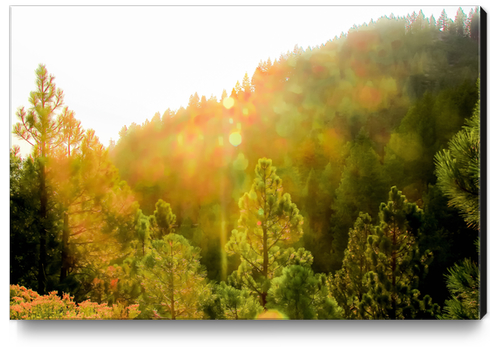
119 65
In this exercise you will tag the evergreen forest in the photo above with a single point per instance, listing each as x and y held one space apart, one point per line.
340 181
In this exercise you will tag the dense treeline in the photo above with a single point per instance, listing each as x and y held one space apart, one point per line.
187 216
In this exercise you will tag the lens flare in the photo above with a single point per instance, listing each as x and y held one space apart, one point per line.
240 163
228 103
235 138
271 314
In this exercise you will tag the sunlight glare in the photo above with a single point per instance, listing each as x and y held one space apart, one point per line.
228 103
235 138
271 314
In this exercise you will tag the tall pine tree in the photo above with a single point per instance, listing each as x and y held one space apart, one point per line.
299 293
41 127
396 264
347 284
458 170
269 220
173 279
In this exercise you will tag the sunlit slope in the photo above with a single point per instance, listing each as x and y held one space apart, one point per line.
405 84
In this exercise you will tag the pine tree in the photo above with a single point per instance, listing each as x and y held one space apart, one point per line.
463 282
460 22
224 95
95 205
67 165
458 176
25 225
173 279
443 22
467 23
448 237
246 85
300 294
458 170
202 103
41 128
162 220
194 101
142 232
475 25
268 221
396 264
347 284
238 87
236 303
432 22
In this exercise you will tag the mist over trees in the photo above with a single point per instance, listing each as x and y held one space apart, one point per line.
340 181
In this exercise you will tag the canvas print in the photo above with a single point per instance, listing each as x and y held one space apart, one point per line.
239 163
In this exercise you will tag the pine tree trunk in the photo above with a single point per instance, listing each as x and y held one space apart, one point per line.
263 297
172 300
264 243
266 263
173 303
64 250
66 235
41 276
393 279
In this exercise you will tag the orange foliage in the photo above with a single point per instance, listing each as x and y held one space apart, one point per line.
370 97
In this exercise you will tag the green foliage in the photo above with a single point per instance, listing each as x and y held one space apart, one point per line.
408 84
447 236
142 230
396 264
463 282
24 221
268 221
173 280
362 188
316 202
98 214
162 220
458 170
425 129
25 225
235 304
118 283
209 231
347 284
300 294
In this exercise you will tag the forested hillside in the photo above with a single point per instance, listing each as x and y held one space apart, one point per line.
320 188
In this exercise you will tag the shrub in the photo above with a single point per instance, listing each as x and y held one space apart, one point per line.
26 304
